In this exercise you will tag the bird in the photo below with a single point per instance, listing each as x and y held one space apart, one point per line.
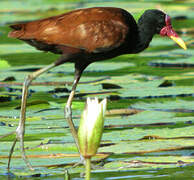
84 36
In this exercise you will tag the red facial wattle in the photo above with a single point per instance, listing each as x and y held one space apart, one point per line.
170 32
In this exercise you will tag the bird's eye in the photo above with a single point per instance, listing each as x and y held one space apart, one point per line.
158 28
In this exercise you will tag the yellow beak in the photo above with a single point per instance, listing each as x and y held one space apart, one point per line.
179 41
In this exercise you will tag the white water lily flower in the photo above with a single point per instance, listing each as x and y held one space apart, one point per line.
91 126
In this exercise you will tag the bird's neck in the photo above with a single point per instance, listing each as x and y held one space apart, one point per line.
145 35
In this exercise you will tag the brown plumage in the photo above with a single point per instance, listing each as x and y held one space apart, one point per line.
92 30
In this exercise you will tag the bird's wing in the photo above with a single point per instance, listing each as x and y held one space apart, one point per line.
100 31
95 36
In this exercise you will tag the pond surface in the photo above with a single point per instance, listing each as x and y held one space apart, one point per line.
149 127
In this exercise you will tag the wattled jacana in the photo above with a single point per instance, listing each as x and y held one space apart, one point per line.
84 36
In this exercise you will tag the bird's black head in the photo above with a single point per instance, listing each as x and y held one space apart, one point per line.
154 18
157 22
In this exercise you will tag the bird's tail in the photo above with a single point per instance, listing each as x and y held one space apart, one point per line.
17 31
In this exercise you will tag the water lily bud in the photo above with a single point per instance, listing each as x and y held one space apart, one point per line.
91 127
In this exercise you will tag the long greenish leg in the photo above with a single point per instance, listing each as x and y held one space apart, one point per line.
68 111
21 127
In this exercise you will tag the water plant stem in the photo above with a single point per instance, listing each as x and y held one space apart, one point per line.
87 168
